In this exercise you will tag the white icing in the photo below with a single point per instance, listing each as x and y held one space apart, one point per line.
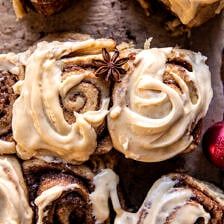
154 119
38 124
49 196
162 200
15 208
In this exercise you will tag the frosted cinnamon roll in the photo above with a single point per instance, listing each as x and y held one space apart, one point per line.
62 107
44 7
158 106
60 192
15 208
175 198
193 13
11 71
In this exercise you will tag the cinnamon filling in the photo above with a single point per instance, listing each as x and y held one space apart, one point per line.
72 204
81 98
202 197
7 98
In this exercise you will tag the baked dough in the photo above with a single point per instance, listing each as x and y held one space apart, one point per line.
159 104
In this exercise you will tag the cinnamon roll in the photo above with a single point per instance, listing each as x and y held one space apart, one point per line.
62 107
60 192
44 7
158 106
175 198
193 13
15 208
11 71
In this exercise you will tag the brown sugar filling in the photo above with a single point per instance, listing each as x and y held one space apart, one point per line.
7 99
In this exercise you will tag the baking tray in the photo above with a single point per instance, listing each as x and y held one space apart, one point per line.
124 20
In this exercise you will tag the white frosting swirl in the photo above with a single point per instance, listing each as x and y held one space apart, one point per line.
15 208
164 203
39 126
48 196
152 121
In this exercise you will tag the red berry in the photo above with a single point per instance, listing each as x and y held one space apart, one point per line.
213 144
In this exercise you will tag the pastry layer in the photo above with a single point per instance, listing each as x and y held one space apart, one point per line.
11 71
44 7
194 12
60 192
175 198
62 106
15 208
159 104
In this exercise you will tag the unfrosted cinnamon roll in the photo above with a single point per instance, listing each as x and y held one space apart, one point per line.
189 13
175 198
11 71
44 7
60 192
62 106
193 13
158 106
15 208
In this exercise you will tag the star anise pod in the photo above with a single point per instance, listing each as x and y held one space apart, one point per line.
110 66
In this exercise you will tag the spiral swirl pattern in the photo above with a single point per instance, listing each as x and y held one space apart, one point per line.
62 106
159 104
175 198
15 207
60 192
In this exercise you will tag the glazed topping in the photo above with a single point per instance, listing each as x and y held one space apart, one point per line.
47 197
10 73
15 208
159 104
59 192
187 10
52 115
165 203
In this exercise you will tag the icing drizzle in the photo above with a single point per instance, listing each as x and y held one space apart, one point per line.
162 200
15 208
157 118
39 126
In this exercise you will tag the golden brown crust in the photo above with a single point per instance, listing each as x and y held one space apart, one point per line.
7 99
204 11
178 64
42 176
49 7
73 204
212 201
11 72
44 7
144 105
